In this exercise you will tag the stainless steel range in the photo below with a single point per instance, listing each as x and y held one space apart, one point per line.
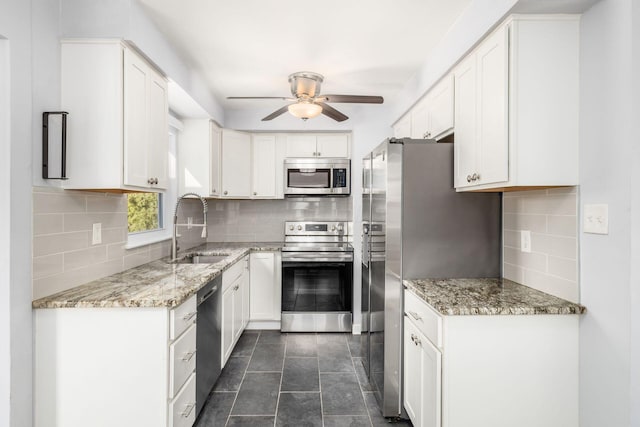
317 276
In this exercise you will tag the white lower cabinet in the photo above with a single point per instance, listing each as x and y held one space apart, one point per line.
481 370
235 295
108 367
266 292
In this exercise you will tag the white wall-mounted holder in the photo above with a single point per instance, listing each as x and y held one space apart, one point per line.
54 145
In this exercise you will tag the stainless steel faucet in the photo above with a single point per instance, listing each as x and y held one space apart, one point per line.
174 239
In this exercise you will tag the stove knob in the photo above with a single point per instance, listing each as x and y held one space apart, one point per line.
340 227
299 227
291 227
333 228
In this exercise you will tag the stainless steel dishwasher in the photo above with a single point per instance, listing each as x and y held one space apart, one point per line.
208 340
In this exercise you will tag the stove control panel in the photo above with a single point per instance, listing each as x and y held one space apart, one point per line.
317 228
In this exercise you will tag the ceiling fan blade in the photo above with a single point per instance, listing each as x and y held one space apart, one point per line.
353 99
276 113
262 97
329 111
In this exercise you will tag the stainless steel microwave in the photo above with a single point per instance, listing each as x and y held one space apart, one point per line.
314 176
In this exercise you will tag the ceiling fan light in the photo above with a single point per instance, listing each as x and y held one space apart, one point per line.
305 110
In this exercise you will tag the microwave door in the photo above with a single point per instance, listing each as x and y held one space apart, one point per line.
309 178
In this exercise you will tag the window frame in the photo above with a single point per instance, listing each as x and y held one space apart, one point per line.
165 232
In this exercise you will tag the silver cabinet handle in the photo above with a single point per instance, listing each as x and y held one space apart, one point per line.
155 180
226 192
415 315
319 154
188 409
150 181
236 287
475 176
426 135
416 340
188 356
214 190
468 178
255 193
189 316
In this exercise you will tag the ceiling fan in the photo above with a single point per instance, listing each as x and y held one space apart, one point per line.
307 101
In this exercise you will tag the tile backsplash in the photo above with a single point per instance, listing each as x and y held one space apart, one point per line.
63 256
552 218
263 220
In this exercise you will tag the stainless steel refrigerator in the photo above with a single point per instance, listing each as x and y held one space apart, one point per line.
415 225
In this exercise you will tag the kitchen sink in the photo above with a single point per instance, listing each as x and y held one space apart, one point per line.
203 259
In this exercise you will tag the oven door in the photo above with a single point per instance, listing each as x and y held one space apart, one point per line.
316 293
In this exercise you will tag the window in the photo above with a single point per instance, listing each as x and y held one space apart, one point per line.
149 214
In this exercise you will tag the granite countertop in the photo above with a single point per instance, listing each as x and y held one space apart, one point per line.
156 284
455 297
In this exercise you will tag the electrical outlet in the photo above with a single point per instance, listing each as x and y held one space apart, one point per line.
525 240
596 219
189 222
96 237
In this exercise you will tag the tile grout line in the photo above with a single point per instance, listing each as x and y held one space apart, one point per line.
242 380
284 355
364 400
319 382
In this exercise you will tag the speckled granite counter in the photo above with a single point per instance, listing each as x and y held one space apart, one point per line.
454 297
155 284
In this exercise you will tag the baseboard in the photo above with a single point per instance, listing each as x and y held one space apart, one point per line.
264 324
356 329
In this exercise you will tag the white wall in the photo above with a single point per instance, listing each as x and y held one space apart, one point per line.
15 244
606 165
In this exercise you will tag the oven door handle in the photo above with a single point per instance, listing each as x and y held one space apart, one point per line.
317 257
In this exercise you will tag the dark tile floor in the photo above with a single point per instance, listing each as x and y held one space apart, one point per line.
293 380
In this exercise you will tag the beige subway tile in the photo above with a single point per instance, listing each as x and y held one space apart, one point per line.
161 250
48 224
562 225
532 260
563 247
85 257
58 203
563 268
562 190
84 221
60 282
512 239
533 193
57 243
552 285
107 203
136 259
513 272
534 223
114 235
104 269
512 205
47 265
116 251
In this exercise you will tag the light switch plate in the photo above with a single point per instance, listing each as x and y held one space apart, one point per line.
596 219
96 237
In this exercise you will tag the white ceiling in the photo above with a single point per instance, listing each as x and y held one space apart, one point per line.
249 47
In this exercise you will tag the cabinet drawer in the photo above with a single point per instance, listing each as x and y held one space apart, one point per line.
181 317
425 318
182 360
182 411
232 273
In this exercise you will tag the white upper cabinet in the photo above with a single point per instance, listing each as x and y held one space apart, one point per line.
432 116
318 145
516 106
117 136
199 148
402 128
267 166
236 164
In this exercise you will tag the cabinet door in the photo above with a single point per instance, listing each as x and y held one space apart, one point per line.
265 167
492 133
301 146
193 175
157 130
216 160
236 164
332 146
402 129
227 323
440 109
465 119
265 292
413 373
431 362
246 293
136 74
238 289
419 123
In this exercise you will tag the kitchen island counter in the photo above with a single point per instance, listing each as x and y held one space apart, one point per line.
158 283
492 296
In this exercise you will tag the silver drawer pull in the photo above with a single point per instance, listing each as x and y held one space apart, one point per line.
189 316
188 356
416 340
188 409
415 315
